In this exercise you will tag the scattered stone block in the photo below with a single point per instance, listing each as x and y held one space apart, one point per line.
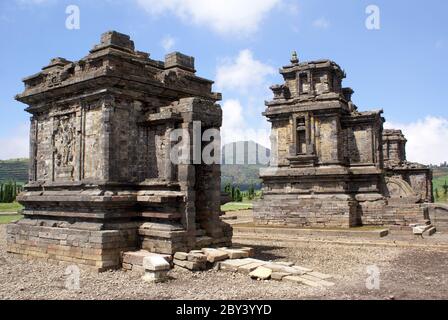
248 268
155 263
236 253
261 273
214 255
302 269
197 257
319 281
249 250
157 276
282 268
156 269
181 256
190 265
285 263
300 280
233 265
279 275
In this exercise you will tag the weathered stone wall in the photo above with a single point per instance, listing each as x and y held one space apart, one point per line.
100 158
336 167
320 211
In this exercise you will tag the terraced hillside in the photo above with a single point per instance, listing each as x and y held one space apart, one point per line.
15 169
440 178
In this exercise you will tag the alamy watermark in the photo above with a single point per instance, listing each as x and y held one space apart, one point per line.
73 20
373 280
373 20
72 281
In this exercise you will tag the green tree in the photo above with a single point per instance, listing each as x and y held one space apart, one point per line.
251 192
445 188
228 189
238 195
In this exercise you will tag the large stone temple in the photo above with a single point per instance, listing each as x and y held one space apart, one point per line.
101 178
333 165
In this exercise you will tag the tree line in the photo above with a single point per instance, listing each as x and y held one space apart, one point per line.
237 195
9 191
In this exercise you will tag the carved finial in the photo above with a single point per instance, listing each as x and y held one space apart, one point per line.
294 58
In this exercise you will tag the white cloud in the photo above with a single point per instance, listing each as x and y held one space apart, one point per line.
427 139
243 74
247 81
321 23
236 17
168 42
235 127
16 146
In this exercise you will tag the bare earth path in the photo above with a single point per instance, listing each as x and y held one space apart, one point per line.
406 273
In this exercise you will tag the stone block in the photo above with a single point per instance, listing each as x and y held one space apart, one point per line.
320 282
155 263
197 257
300 280
234 264
155 276
181 256
279 275
190 265
248 268
261 273
214 255
236 253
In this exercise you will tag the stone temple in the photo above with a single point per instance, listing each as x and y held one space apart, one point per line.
335 166
101 178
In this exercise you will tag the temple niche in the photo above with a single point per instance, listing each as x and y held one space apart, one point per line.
101 177
333 165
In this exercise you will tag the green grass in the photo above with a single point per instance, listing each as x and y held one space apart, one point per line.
9 219
437 184
10 207
235 206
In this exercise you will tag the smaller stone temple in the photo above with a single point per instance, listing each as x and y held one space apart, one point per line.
101 178
333 165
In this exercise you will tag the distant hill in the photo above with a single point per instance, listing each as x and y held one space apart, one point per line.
14 169
242 162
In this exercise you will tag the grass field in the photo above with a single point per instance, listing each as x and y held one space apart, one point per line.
10 207
235 206
8 219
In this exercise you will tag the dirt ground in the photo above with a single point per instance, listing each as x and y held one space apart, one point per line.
404 273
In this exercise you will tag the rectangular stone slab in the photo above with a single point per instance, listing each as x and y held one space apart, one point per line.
248 268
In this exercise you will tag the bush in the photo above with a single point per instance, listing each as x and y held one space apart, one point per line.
9 191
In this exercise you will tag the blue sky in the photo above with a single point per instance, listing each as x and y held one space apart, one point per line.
400 68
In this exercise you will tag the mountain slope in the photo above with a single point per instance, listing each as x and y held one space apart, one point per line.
15 169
